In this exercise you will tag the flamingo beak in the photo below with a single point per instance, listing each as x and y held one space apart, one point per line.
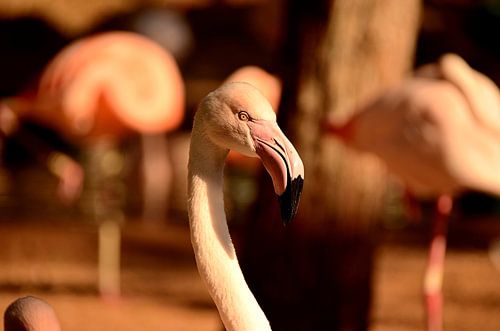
282 162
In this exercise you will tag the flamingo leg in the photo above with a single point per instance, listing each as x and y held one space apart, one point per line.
433 278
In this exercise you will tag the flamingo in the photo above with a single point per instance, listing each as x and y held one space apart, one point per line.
106 85
30 314
235 116
103 87
440 133
95 92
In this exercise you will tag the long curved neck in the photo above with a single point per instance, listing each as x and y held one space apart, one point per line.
213 248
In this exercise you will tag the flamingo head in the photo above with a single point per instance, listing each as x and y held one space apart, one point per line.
30 313
239 117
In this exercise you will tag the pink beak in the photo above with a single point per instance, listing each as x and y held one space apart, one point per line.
282 162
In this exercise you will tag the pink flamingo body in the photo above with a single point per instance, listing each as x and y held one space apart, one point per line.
107 85
440 133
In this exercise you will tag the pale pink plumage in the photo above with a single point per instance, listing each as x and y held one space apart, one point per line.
107 84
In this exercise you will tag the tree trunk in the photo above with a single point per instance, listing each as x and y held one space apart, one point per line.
316 273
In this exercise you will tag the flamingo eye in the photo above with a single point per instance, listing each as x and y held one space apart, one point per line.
243 116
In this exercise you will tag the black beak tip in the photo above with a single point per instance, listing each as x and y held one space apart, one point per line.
289 200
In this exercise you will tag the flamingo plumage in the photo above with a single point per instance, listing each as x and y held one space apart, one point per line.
235 116
440 133
106 85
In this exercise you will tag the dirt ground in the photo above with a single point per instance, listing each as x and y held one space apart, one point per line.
161 289
471 290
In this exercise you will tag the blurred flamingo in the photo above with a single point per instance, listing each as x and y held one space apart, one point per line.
440 133
100 89
235 116
30 314
268 84
106 86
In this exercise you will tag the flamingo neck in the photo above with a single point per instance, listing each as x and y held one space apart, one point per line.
213 248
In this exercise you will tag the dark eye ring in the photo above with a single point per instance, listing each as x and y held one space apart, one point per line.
243 116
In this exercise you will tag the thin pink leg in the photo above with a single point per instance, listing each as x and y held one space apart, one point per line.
433 278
